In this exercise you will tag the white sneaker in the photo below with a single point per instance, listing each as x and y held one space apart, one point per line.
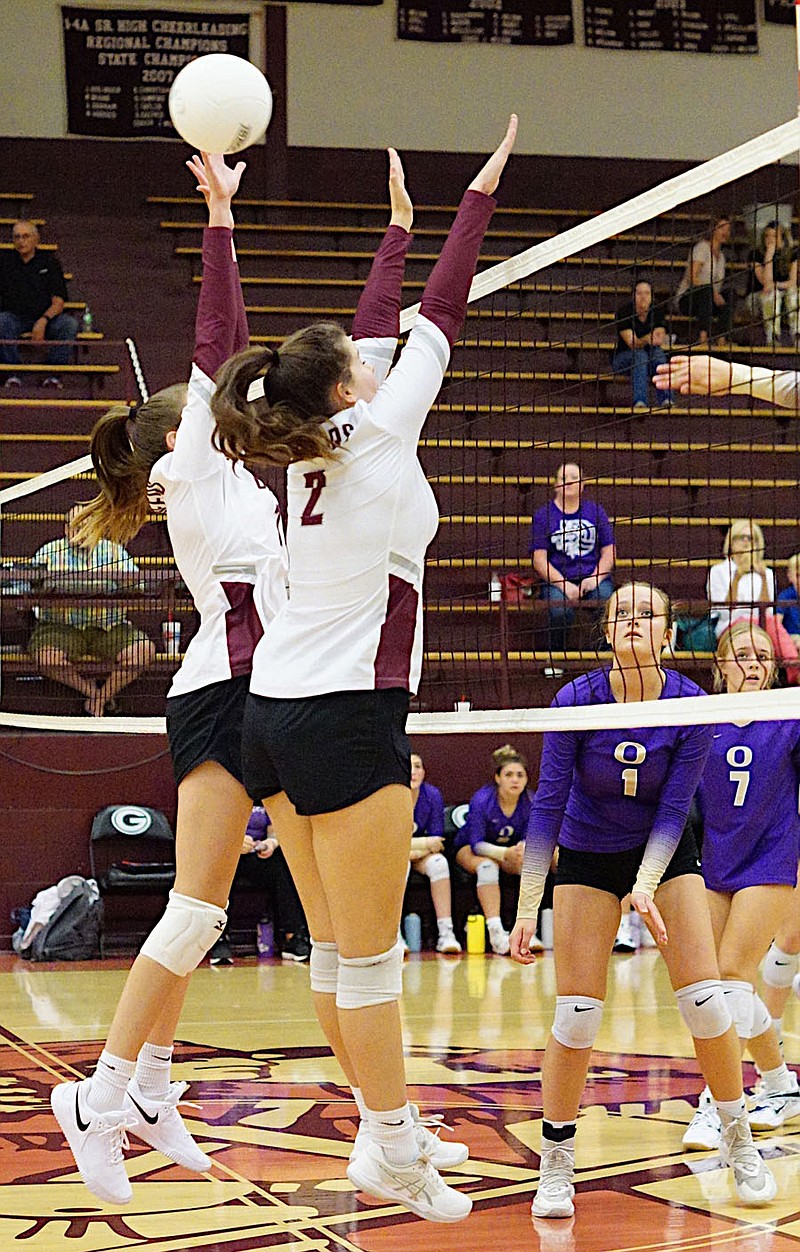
448 943
627 939
96 1140
159 1123
500 941
755 1184
441 1155
704 1130
556 1170
772 1109
417 1186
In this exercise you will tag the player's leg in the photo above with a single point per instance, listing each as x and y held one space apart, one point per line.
487 874
780 964
436 869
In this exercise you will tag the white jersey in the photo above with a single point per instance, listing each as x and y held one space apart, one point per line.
227 538
357 531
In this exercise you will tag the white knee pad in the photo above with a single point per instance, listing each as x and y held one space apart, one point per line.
184 933
577 1021
761 1018
704 1008
488 873
324 967
436 867
779 967
367 980
739 999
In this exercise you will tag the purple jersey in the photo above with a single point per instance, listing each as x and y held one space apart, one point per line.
428 812
748 797
612 790
572 541
487 823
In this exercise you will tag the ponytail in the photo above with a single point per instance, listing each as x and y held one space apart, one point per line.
269 405
125 445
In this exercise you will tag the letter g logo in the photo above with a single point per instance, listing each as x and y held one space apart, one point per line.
130 819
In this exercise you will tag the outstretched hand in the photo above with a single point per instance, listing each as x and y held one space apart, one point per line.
696 375
488 178
400 200
650 915
216 181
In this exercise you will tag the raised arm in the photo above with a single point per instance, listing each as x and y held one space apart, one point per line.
709 376
221 324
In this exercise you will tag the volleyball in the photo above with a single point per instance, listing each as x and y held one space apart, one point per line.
220 103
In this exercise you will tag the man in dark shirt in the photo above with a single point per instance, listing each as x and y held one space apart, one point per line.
32 297
641 335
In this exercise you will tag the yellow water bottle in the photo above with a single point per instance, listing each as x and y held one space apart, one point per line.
476 933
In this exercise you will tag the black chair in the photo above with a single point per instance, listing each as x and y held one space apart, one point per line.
132 851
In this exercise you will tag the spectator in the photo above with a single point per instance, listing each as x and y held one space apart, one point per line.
427 852
65 636
263 865
573 554
773 280
787 610
741 586
32 297
493 837
700 294
641 335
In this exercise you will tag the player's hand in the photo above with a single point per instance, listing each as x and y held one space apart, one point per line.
216 181
488 178
512 858
435 844
694 375
248 845
524 930
645 907
400 200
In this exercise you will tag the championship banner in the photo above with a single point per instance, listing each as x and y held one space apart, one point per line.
544 22
119 65
781 11
726 26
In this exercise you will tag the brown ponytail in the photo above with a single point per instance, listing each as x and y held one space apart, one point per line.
284 423
125 445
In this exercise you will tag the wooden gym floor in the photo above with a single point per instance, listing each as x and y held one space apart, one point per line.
279 1126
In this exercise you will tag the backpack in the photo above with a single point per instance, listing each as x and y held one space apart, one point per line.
73 931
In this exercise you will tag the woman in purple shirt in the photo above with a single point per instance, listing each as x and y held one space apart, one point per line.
616 802
427 853
492 838
751 837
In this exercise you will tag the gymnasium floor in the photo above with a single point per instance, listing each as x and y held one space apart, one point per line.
279 1126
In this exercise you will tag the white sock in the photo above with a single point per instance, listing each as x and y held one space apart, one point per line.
494 923
109 1082
731 1110
778 1081
153 1066
445 925
393 1130
361 1106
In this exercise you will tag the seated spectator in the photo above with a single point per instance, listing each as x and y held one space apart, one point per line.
701 293
641 335
787 610
427 852
263 865
492 840
32 297
65 636
572 542
741 587
772 280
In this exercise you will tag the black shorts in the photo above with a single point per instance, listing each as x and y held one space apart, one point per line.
326 752
616 872
206 725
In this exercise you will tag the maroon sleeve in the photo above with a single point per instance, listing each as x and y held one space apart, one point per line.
444 300
378 313
218 309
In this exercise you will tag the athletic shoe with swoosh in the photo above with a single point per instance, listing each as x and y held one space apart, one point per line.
417 1186
96 1139
556 1189
772 1108
704 1130
441 1155
754 1181
159 1123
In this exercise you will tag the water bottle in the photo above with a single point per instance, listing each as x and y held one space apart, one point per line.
87 321
265 938
413 932
495 588
476 933
546 928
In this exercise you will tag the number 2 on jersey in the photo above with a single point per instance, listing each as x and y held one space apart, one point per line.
740 757
315 482
631 755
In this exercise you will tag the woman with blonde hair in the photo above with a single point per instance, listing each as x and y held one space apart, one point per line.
747 800
615 802
741 587
774 268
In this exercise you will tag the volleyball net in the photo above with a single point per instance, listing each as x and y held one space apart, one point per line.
533 386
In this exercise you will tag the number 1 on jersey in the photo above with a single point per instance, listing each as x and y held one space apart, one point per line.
631 755
315 482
